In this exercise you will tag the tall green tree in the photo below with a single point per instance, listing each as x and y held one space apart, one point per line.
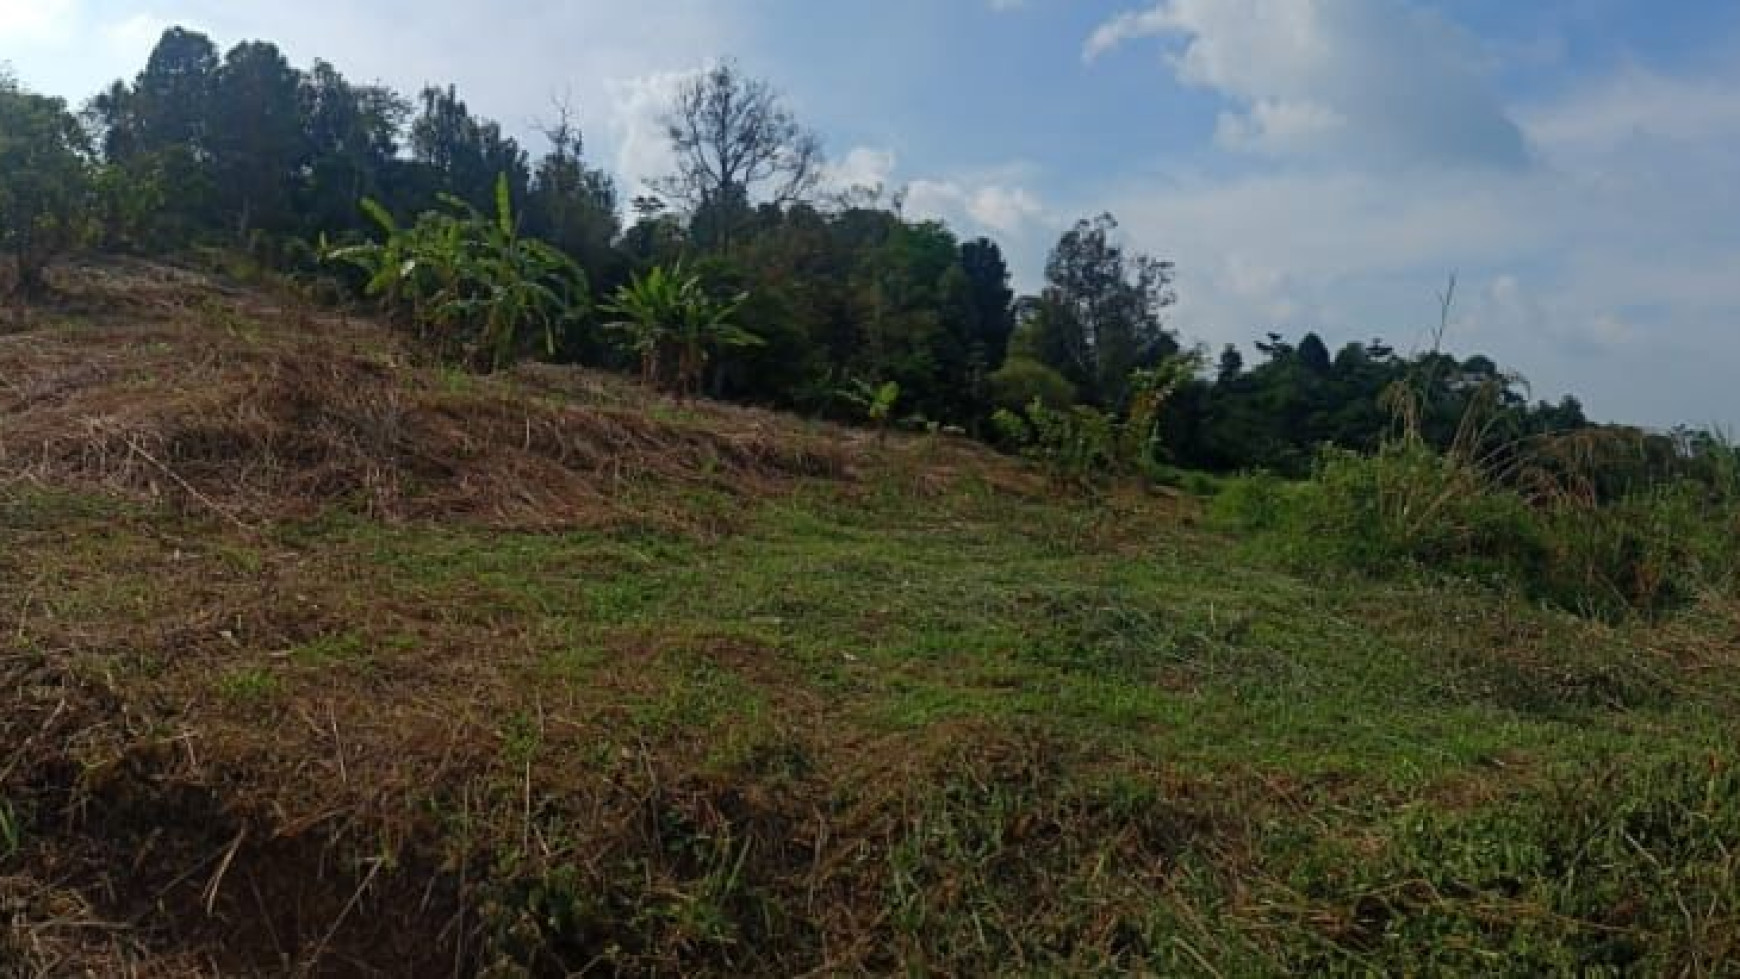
351 138
991 308
167 106
573 206
154 134
1101 315
45 183
255 137
463 153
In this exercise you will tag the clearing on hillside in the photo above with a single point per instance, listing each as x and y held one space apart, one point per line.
319 659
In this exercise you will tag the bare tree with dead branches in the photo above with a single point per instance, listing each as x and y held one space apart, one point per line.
736 143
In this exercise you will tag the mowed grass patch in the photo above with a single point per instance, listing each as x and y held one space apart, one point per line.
957 732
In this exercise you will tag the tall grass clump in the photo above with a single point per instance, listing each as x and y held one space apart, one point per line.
1627 868
1501 516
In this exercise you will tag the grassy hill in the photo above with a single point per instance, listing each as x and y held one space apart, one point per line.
318 658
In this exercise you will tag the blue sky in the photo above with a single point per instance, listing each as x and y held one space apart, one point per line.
1310 164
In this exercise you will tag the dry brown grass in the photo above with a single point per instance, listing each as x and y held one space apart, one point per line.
156 383
313 832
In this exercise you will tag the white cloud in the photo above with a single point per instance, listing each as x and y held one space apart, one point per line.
1593 230
38 21
1376 81
989 200
863 167
1637 104
1006 209
1607 271
637 108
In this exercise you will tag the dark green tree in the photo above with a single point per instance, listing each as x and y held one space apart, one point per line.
462 154
573 206
254 135
351 136
1230 365
168 104
1101 315
991 302
154 136
45 183
1314 354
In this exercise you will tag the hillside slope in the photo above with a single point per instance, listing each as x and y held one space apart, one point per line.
317 659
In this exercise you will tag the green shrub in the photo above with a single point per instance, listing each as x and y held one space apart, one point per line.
1081 443
1075 446
470 283
675 327
1649 552
1406 506
1408 509
1255 503
1023 380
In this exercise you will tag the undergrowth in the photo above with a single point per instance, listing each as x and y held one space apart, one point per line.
1410 509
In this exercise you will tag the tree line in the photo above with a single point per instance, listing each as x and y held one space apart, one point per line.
739 275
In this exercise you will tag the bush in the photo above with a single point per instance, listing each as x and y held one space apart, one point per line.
1648 552
1407 506
1408 509
45 185
471 284
1076 446
1023 380
1256 503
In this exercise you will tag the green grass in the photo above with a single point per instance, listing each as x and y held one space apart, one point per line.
1071 740
248 686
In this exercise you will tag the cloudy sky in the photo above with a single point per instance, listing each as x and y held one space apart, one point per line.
1310 164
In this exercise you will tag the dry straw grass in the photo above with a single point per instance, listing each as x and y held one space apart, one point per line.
246 830
181 391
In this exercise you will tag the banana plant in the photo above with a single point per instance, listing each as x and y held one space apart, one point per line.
520 284
876 401
675 327
471 283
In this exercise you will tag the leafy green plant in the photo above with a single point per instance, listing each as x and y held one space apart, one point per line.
1080 443
1075 446
1138 441
472 284
670 322
46 195
1022 378
876 401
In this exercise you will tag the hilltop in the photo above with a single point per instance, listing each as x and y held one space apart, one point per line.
321 657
